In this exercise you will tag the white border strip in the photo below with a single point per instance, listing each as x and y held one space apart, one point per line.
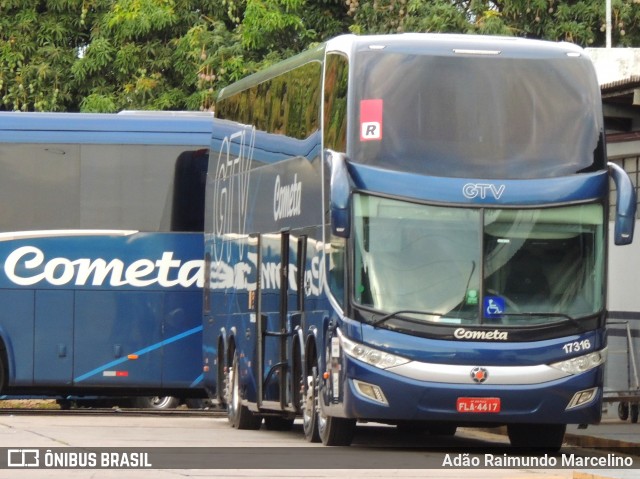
496 375
20 235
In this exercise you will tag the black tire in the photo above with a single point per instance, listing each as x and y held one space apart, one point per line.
222 388
65 404
239 416
198 403
336 431
3 372
412 428
310 406
442 429
156 402
633 413
538 437
276 423
623 410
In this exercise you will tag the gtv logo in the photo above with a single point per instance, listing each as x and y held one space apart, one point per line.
482 190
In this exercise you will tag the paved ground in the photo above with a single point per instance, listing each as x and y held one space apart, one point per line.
75 431
611 434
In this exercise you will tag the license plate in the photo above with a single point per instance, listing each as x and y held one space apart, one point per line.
478 405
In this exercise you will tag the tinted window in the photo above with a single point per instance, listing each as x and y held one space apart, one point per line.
288 104
95 187
335 102
488 117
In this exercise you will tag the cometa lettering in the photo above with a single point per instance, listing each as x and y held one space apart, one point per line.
287 199
462 333
27 266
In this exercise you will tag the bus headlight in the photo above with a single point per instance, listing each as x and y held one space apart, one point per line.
369 355
582 364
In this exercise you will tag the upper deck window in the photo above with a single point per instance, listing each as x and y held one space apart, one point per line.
476 117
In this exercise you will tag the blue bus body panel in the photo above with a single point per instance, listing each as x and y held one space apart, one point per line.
54 313
470 352
94 301
74 128
418 400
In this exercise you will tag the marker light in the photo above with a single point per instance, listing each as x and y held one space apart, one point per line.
582 397
371 391
467 51
369 355
582 364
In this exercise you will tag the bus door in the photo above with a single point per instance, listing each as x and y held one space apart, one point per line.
279 313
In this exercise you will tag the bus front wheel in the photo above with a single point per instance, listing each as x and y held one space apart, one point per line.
336 431
546 437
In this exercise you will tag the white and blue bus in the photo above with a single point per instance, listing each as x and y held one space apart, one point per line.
101 269
412 229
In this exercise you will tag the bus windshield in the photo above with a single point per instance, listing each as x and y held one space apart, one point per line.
477 117
514 267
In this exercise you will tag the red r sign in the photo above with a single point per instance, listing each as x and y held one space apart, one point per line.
370 120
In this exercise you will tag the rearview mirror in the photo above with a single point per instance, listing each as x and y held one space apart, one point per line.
340 194
625 216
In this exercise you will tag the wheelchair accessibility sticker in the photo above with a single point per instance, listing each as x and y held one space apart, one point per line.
493 306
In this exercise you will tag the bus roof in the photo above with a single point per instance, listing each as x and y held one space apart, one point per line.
456 44
440 44
175 128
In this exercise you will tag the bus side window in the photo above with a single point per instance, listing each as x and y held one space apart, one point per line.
187 212
336 268
335 102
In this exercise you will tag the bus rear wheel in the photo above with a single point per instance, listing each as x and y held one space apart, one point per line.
540 437
310 407
156 402
239 415
222 388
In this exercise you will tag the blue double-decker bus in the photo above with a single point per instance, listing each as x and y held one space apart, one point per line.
412 229
101 222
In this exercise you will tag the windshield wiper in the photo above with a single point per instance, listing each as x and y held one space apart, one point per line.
387 317
544 315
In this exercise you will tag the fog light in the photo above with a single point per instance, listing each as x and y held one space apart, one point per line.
371 391
582 397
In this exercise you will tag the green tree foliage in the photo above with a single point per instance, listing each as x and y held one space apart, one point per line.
110 55
578 21
38 44
151 54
